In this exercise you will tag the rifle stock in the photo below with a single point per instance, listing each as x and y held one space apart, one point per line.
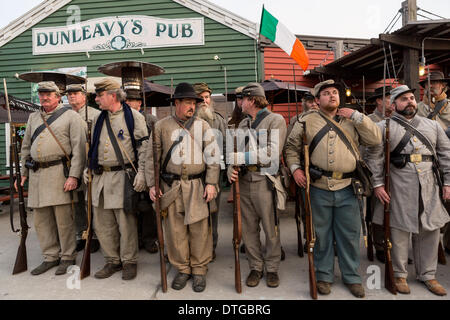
237 230
162 258
388 272
85 267
20 265
310 237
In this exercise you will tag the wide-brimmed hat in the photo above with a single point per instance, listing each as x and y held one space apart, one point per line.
325 84
397 92
378 93
435 76
185 90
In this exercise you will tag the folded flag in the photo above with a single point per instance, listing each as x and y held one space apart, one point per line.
272 29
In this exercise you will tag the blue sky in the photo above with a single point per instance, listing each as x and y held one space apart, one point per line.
346 18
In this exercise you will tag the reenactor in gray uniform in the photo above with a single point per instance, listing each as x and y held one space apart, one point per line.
334 205
415 203
257 185
439 110
53 160
115 229
76 94
237 115
216 121
377 116
189 160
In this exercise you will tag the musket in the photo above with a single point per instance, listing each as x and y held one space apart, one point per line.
389 271
162 261
85 267
237 227
368 220
298 219
20 264
310 234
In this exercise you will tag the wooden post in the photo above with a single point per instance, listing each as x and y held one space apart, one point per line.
409 11
411 70
338 49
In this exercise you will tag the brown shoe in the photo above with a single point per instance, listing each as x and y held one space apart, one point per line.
129 271
108 270
402 285
44 267
323 287
253 278
272 279
356 289
435 287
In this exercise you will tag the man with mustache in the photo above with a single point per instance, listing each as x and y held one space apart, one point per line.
438 109
216 121
189 162
308 104
416 207
51 178
76 94
335 208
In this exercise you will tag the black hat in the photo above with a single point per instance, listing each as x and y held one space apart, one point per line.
378 93
435 76
185 90
308 96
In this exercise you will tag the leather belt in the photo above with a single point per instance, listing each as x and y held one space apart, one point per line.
102 169
418 158
338 175
187 177
43 165
253 168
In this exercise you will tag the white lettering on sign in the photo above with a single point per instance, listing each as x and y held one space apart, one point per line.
119 33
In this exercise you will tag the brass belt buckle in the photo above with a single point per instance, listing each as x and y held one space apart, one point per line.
252 168
107 169
184 176
337 175
416 158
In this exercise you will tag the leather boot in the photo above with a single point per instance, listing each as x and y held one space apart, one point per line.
129 271
323 287
180 280
435 287
356 289
199 284
402 285
272 279
253 278
108 270
44 267
63 265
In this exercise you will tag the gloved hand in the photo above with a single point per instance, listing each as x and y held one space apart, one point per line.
139 182
85 176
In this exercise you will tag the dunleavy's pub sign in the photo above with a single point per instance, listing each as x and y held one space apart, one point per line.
119 33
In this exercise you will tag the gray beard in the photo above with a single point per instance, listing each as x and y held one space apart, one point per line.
206 114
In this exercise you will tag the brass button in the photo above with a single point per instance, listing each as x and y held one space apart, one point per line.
415 139
331 161
418 170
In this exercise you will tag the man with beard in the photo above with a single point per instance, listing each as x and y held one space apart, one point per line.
377 116
415 203
52 176
438 109
216 121
336 212
189 161
237 115
308 103
76 94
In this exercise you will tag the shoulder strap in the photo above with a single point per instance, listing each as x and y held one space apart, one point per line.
417 133
340 132
437 108
52 119
318 137
116 147
402 144
54 137
175 143
261 117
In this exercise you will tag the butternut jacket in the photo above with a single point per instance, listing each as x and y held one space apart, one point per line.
46 186
331 153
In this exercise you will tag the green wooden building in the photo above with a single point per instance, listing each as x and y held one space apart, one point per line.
182 36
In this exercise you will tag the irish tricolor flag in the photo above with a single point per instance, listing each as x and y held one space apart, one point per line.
272 29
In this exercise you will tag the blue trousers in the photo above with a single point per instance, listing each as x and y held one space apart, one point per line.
336 218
